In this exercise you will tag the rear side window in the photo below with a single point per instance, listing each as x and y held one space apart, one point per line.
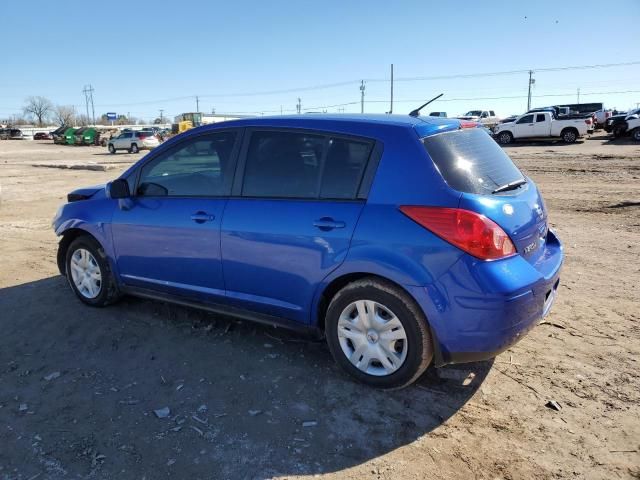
301 165
470 161
540 117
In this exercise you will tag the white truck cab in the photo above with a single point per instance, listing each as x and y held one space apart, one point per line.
541 125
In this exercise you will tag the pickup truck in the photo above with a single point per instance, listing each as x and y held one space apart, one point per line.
485 117
633 126
617 124
542 125
561 113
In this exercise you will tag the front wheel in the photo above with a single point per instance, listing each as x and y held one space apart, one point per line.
89 274
378 335
636 134
112 149
505 138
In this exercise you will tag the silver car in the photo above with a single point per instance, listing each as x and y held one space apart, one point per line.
133 142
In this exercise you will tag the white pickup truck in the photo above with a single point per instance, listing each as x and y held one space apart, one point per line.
487 118
541 125
633 127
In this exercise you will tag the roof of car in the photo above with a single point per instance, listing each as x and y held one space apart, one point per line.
423 125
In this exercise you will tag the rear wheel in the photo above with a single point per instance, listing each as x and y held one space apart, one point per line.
505 138
569 135
378 335
112 149
89 274
134 148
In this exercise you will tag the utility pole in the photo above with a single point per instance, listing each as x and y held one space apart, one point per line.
88 98
197 104
299 106
578 95
362 96
531 82
391 107
161 117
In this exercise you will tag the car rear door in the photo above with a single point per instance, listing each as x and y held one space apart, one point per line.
167 235
296 200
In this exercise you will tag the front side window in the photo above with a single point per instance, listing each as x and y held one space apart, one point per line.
200 166
301 165
526 119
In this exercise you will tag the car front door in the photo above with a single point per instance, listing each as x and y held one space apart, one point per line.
296 201
167 235
542 125
525 127
123 140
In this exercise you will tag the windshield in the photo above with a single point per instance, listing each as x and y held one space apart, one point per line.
470 161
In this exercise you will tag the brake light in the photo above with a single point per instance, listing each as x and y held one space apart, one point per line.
467 230
588 121
468 124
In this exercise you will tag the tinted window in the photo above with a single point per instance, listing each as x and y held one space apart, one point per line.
283 164
470 161
492 113
198 167
540 117
526 119
344 167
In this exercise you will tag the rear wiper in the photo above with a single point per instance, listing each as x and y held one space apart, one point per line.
510 186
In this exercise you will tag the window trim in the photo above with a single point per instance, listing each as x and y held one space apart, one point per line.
180 144
366 179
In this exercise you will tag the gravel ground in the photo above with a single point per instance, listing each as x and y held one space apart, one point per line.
79 387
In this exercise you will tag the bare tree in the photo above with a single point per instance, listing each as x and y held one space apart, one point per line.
39 107
83 120
64 114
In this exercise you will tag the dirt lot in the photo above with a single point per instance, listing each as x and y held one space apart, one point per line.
79 386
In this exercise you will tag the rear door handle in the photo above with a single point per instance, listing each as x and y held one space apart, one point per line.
202 217
327 223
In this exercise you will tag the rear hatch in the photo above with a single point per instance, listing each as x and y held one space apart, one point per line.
471 162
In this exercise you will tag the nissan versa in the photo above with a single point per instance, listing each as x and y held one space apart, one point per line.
404 240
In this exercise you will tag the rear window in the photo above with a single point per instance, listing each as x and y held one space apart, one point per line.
470 161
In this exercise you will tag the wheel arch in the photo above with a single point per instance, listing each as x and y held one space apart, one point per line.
68 236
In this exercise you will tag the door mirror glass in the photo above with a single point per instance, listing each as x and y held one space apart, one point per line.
119 188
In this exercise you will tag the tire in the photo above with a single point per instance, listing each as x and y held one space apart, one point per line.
618 131
84 258
398 320
134 148
636 134
112 149
505 138
569 135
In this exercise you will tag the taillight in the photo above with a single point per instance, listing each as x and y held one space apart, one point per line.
588 121
468 124
467 230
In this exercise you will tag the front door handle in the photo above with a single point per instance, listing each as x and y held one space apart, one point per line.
201 217
327 223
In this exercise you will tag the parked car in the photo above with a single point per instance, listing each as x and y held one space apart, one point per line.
486 117
42 136
133 142
438 114
15 134
617 125
405 241
542 125
633 127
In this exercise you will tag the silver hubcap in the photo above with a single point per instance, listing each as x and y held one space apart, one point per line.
569 136
505 138
85 273
372 337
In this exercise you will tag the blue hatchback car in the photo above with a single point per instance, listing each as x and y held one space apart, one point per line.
405 241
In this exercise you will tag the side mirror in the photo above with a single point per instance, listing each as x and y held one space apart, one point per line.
119 188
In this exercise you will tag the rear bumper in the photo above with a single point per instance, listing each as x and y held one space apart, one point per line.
479 309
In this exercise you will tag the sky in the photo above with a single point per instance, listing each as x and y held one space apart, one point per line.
259 57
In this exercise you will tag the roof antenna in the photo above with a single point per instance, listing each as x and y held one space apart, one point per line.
416 112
